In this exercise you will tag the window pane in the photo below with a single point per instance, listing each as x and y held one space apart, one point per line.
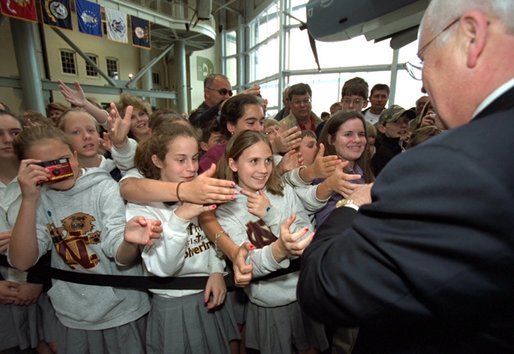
112 68
408 90
90 69
68 62
156 78
264 61
265 25
298 11
232 69
354 52
231 43
269 92
408 53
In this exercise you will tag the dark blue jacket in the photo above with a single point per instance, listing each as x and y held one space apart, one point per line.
428 267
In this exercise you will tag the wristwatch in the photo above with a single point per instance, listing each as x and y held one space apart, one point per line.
347 203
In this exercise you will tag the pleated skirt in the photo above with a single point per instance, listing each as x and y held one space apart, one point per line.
184 326
48 323
126 339
282 330
239 301
18 326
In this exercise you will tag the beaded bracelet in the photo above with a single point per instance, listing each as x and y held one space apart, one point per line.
217 236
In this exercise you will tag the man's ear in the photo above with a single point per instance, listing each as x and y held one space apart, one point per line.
232 164
381 128
365 104
474 26
204 146
157 161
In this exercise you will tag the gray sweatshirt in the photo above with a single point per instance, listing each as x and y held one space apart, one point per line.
182 250
84 226
242 226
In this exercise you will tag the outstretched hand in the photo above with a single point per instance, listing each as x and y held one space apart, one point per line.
142 231
341 182
324 166
187 210
362 194
75 97
291 160
253 90
207 190
287 139
119 127
291 244
106 142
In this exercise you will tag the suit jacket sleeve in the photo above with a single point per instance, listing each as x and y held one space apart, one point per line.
427 246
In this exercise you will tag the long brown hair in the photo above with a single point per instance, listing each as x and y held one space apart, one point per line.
330 130
235 148
157 145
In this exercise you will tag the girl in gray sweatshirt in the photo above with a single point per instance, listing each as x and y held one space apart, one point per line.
79 215
274 323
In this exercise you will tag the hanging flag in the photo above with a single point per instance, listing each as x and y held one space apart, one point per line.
89 17
20 9
116 25
56 13
140 32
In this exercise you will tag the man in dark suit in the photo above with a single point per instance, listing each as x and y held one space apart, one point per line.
428 265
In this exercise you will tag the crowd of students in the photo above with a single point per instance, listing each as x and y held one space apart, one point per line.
163 219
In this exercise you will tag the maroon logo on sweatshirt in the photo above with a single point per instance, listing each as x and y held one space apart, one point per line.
259 234
72 238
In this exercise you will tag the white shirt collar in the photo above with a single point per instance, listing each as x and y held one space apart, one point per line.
494 95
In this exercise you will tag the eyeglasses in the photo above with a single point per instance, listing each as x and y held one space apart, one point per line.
349 100
415 67
305 102
222 91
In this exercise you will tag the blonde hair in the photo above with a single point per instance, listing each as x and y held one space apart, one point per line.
129 100
66 117
35 135
270 122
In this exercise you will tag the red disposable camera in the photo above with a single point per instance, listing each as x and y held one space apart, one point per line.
58 169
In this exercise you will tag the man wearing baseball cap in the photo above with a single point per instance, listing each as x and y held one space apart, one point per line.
393 127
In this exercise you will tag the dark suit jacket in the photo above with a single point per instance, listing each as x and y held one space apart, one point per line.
428 267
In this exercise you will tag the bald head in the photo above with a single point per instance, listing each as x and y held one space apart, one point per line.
471 42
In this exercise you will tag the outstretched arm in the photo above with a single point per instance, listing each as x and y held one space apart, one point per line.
77 98
413 254
138 231
202 190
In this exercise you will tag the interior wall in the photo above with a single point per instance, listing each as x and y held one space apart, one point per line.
212 54
8 68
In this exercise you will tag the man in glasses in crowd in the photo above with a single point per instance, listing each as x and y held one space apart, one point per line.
216 88
425 264
354 97
301 114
